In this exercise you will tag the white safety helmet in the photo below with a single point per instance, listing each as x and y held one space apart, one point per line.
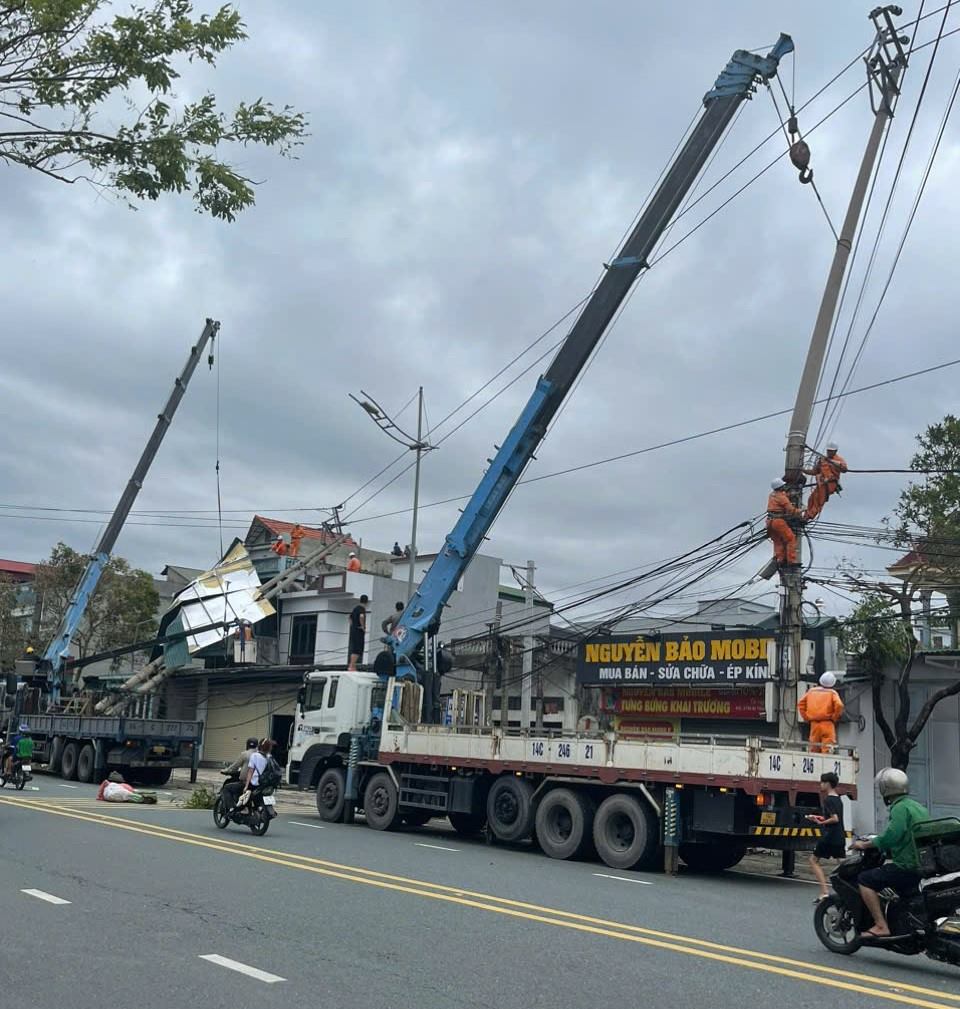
828 680
891 784
777 484
353 553
831 446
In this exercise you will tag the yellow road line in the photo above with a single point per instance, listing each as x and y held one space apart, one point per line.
883 988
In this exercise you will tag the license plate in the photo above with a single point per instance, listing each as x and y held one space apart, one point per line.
269 800
27 768
768 819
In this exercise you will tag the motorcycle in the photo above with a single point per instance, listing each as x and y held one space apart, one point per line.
256 813
19 776
927 921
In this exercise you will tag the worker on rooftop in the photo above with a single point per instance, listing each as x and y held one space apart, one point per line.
779 509
827 470
279 547
296 534
354 563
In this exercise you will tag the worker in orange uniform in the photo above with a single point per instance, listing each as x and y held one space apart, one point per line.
279 547
821 707
827 471
779 509
354 563
296 534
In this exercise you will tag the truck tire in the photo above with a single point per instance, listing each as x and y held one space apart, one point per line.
56 755
331 792
564 823
68 761
510 811
713 856
86 760
625 832
466 824
380 802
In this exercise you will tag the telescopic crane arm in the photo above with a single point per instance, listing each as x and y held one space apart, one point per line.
422 614
53 658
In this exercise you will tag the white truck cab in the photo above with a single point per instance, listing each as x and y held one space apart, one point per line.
330 705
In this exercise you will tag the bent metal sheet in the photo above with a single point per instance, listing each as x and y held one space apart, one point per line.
698 659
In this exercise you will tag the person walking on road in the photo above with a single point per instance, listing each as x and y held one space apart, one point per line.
833 838
821 707
358 631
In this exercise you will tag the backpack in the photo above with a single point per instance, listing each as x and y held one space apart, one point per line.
272 774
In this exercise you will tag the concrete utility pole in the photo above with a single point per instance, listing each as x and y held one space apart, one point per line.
493 667
526 682
416 493
884 67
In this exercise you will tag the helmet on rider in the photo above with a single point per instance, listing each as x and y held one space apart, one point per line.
891 784
252 743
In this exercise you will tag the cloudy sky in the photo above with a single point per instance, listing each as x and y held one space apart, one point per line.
469 169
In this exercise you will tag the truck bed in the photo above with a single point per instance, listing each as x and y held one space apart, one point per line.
750 763
113 728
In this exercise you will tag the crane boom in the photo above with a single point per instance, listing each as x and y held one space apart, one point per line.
423 612
52 661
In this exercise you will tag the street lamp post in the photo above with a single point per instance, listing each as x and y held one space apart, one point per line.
386 424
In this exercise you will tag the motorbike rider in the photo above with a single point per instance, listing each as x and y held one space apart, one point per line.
232 789
256 766
902 872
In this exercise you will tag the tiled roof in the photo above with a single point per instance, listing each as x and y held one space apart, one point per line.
280 528
21 568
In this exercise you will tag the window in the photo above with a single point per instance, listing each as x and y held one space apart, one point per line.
313 696
303 638
332 696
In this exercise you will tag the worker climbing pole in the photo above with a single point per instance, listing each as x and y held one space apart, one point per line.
827 469
885 65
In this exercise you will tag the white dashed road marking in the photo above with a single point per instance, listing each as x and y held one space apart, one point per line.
624 879
242 968
43 895
316 826
436 847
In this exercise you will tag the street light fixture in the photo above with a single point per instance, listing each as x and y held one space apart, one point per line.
389 427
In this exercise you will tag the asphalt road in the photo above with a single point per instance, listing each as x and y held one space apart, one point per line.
163 908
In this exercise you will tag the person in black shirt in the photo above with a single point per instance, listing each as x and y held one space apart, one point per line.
833 838
358 630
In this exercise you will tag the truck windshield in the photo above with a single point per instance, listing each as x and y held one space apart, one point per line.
313 696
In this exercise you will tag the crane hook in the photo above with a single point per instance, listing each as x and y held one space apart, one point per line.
800 158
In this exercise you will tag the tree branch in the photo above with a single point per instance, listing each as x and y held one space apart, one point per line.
878 713
927 710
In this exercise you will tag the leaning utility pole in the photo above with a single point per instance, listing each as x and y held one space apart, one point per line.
884 68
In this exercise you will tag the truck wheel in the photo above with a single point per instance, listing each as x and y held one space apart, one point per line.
68 762
565 822
625 832
331 789
56 755
466 824
380 802
85 763
510 811
712 857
